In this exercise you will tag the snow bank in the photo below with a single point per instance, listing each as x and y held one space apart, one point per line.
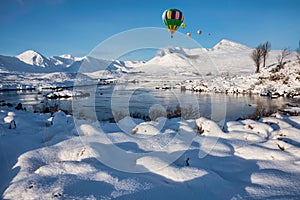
175 173
285 82
252 159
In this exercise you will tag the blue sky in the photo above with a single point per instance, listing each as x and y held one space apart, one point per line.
54 27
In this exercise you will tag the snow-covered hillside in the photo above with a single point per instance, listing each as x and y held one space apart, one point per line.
270 81
45 157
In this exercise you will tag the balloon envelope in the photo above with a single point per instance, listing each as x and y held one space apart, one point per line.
199 32
189 34
172 18
183 25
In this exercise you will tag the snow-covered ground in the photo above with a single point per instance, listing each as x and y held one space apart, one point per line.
285 82
46 156
43 156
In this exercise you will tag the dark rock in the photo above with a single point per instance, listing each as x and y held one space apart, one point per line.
19 107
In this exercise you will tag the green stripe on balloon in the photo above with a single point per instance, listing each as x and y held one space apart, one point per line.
172 18
173 22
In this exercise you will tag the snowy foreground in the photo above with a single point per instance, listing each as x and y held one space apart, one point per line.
45 157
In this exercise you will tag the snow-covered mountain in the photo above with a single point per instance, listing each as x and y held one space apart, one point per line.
65 60
10 64
226 56
176 61
33 62
31 57
227 45
168 56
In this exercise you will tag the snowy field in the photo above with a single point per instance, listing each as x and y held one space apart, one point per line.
46 157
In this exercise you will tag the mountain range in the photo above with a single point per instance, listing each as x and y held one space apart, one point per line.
226 56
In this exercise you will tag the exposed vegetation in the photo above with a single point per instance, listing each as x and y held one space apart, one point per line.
281 58
189 112
260 54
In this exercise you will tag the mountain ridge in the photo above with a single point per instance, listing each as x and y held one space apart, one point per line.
228 44
32 57
226 55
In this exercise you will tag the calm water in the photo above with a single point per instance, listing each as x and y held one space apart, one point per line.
140 99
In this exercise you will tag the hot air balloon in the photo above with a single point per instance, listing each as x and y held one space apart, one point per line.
172 18
183 25
199 32
189 34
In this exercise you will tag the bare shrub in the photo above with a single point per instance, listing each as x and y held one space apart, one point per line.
190 112
139 115
261 111
46 107
173 113
157 111
275 77
118 115
259 82
286 80
281 58
275 69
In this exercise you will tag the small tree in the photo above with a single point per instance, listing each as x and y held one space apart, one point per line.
281 57
257 55
266 47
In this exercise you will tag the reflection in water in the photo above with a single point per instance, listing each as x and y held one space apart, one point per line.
140 99
27 97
